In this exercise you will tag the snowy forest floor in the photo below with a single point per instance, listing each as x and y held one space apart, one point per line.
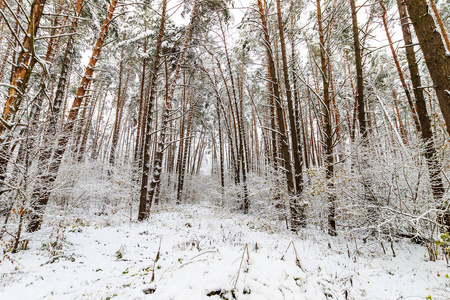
202 257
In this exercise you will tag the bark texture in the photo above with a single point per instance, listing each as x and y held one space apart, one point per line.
143 210
434 51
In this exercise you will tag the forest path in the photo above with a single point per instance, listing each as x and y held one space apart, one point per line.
201 253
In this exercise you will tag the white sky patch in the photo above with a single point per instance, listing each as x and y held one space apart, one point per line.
85 58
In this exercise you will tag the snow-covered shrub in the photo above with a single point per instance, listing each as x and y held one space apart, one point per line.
393 184
95 194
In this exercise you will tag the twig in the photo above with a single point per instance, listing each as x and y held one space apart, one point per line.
240 266
297 261
156 260
210 251
54 258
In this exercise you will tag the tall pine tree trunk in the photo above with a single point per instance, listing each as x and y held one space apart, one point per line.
293 201
299 217
434 51
363 123
140 127
429 152
186 152
328 134
399 70
143 210
121 94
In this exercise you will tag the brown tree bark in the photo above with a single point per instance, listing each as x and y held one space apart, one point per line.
299 123
140 127
299 220
19 80
359 76
328 134
121 96
230 121
243 150
399 70
2 8
441 25
36 105
429 151
57 108
180 156
143 210
221 155
25 64
97 127
434 51
197 150
233 109
272 117
91 109
186 151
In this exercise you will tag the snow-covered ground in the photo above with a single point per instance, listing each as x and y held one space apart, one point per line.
205 252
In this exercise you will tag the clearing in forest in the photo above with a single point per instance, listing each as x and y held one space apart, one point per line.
201 251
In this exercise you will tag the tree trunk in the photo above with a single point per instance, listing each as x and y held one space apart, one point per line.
359 76
185 154
293 201
234 112
98 146
434 51
140 127
221 156
429 151
364 124
36 105
243 151
441 25
88 125
180 157
143 214
399 70
298 219
97 128
121 95
329 155
230 123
